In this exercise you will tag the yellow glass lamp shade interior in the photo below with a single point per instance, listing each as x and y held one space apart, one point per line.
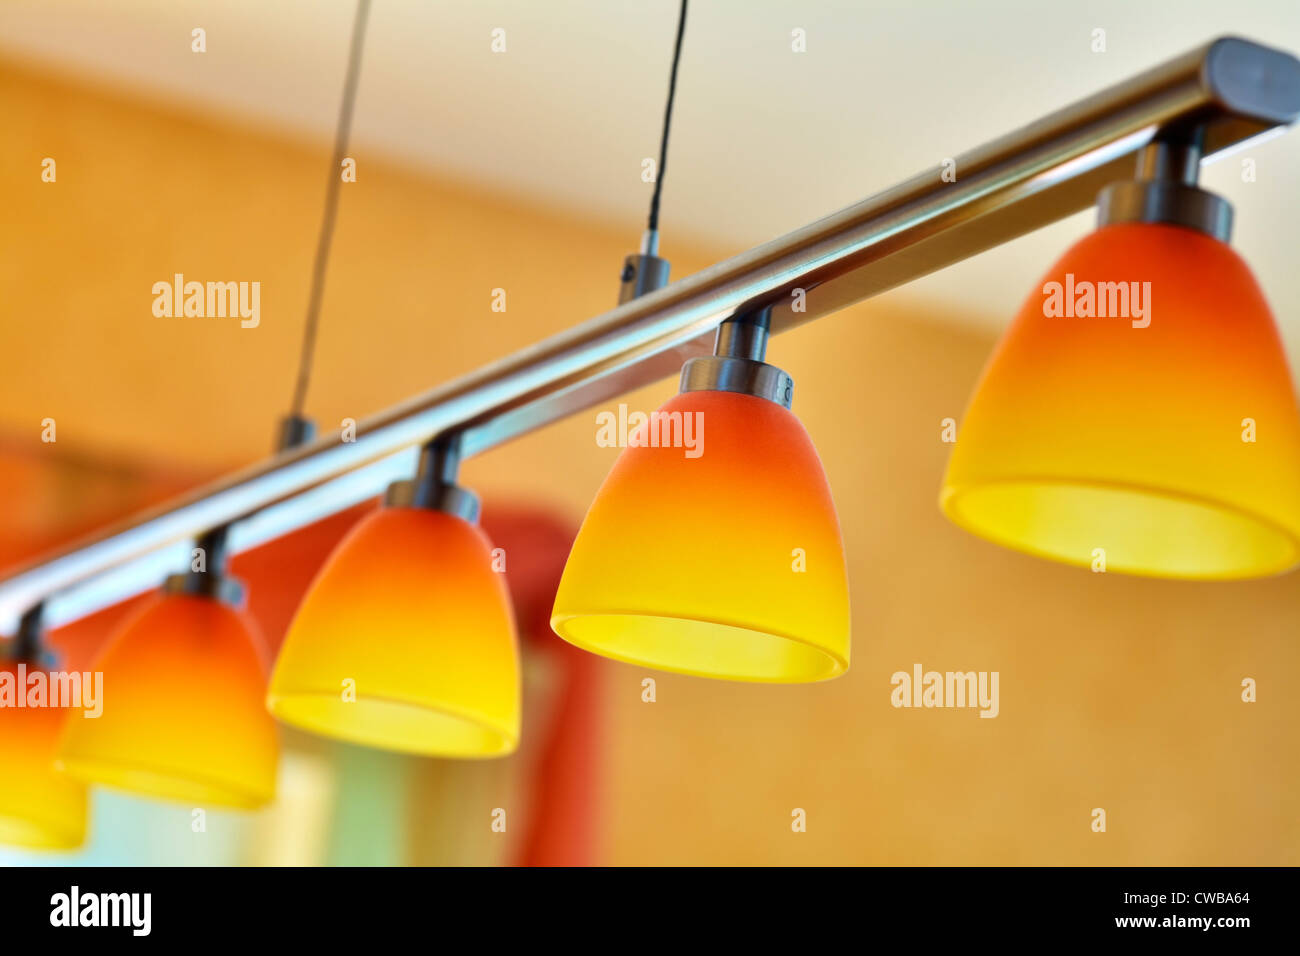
728 564
1164 445
40 807
183 715
405 642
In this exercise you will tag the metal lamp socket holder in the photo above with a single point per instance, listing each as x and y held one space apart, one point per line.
1166 203
453 499
737 365
724 373
434 486
212 582
28 645
206 584
1165 190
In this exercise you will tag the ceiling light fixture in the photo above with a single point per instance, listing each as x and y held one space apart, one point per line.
184 682
1231 89
40 806
1138 415
406 639
728 564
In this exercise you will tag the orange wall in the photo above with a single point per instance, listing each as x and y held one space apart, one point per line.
1115 693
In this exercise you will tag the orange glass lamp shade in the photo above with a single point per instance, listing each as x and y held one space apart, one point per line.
405 642
40 807
726 565
183 717
1166 444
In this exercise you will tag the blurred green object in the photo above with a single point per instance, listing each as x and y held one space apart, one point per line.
370 823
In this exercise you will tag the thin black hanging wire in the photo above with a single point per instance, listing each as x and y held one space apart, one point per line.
653 224
333 184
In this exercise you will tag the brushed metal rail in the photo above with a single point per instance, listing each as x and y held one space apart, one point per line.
1233 89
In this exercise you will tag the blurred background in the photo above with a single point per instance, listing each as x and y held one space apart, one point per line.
522 170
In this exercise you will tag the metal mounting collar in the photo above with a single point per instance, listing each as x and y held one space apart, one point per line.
1166 192
434 485
212 582
737 362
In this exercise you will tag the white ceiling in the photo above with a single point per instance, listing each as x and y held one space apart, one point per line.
764 139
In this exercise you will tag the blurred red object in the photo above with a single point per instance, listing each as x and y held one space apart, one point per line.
565 816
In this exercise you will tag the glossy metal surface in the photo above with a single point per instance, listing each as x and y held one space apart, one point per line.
737 365
1171 204
1231 89
1165 192
213 581
745 376
642 274
434 485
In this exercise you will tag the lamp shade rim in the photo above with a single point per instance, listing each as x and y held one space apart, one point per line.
141 779
287 706
561 625
953 495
